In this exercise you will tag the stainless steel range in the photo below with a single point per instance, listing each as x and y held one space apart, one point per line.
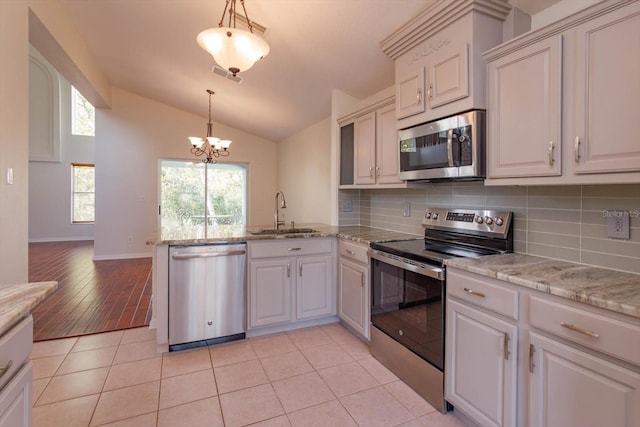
408 289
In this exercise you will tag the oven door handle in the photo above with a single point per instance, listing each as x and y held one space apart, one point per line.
420 268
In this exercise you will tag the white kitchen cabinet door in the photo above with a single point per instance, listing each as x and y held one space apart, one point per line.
524 114
15 399
314 290
607 93
353 302
270 291
410 93
569 387
448 76
365 149
387 147
481 365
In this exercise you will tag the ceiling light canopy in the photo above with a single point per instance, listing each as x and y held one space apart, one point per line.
211 147
233 48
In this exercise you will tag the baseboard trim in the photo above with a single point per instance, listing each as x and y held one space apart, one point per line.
59 239
120 256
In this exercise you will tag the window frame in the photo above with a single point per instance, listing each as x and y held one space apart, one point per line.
74 192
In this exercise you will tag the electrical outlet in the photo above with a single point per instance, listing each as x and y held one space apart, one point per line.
618 225
406 209
347 205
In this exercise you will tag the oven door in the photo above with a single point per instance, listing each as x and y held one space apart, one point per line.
407 304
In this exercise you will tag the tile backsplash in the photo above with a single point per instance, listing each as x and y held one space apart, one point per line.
561 222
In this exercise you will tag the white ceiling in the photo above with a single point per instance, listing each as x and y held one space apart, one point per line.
148 47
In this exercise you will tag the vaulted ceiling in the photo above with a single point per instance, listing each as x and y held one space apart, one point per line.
148 47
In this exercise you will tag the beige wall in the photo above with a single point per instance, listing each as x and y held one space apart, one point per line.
304 174
131 137
14 125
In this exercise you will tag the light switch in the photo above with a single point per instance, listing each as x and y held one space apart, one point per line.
10 176
406 209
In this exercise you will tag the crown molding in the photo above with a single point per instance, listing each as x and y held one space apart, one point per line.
552 29
436 16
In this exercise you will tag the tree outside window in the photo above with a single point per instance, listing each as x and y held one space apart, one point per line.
196 197
83 115
83 199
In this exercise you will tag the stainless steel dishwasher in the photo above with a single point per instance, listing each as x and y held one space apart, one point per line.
207 287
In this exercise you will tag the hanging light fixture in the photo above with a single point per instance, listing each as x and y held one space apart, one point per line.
211 146
232 48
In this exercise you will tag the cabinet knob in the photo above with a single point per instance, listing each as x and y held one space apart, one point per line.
209 323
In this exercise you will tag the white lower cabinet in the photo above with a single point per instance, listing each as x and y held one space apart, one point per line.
517 356
570 387
353 287
481 363
15 399
290 280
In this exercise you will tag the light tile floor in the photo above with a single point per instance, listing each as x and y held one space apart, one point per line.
320 376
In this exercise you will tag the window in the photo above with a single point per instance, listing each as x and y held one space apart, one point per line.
196 197
83 115
83 189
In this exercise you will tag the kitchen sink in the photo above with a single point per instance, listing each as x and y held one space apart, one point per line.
260 231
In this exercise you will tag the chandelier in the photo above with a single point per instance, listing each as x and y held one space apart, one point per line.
211 146
232 48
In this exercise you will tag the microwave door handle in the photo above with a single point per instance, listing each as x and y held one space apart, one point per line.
450 146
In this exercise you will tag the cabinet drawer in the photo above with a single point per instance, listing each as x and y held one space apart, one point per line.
609 336
15 347
483 293
288 247
354 251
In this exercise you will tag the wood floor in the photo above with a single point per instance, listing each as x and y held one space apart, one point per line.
92 296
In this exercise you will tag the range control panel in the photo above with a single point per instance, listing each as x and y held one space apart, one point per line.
481 221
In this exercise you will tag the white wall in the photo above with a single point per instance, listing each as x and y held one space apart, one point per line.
131 137
14 113
304 174
558 11
50 183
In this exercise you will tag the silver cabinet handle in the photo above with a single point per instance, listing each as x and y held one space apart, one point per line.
5 368
505 349
294 249
576 150
550 153
377 170
350 252
371 172
531 351
419 96
288 270
579 330
450 146
430 92
476 293
209 254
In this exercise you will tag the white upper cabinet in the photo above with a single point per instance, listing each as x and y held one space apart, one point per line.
365 149
607 92
525 111
562 99
439 67
387 147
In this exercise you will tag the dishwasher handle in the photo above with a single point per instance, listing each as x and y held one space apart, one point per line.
209 254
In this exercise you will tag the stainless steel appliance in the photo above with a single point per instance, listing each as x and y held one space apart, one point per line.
207 287
408 288
450 148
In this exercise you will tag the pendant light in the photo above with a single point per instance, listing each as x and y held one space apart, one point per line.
211 147
232 48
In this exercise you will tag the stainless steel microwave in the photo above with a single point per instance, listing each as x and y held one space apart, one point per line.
449 148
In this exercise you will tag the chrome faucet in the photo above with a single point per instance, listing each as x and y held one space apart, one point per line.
277 223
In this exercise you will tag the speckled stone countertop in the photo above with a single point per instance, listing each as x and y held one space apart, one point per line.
610 289
237 233
17 301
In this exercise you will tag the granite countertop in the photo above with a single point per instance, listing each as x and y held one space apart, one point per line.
17 301
610 289
237 233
